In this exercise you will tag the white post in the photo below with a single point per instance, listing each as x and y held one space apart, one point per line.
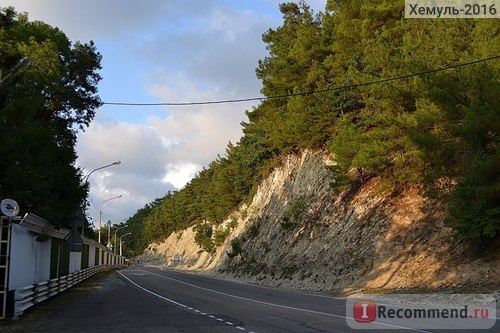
129 233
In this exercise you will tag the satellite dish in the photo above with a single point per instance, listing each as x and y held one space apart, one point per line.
9 207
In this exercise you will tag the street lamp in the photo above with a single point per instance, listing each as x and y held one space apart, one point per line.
20 64
126 226
100 215
129 233
106 166
86 181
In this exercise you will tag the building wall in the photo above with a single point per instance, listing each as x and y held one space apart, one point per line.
91 256
29 258
75 262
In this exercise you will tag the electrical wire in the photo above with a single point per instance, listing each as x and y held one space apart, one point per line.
240 100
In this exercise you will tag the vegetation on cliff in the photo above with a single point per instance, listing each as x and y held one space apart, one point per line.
413 101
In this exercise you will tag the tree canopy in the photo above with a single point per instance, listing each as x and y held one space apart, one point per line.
42 107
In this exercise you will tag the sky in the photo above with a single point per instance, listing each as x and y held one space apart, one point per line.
158 51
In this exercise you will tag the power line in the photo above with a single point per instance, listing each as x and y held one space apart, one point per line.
240 100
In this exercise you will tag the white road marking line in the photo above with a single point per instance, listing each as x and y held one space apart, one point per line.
241 328
213 317
279 305
153 293
171 300
247 299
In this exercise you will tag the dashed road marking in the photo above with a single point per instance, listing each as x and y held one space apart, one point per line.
180 304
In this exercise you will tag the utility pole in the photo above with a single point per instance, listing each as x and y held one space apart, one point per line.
109 246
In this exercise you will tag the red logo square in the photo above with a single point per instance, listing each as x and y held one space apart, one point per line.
365 311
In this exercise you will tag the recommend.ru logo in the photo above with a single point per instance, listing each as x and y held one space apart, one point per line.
421 311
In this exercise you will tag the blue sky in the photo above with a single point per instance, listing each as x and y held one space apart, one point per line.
161 51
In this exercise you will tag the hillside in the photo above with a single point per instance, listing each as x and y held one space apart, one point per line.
400 103
299 232
409 110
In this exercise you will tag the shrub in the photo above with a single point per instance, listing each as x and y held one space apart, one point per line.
295 208
236 248
220 235
203 237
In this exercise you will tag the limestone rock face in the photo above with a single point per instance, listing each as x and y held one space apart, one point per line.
298 232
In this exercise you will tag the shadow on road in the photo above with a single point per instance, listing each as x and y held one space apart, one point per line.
40 313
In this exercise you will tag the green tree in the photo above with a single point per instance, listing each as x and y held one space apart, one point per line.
294 66
42 107
462 147
203 237
439 130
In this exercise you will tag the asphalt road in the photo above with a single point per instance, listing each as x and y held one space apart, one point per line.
141 299
239 307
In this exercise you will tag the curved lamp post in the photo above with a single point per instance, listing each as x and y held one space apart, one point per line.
129 233
86 180
100 215
126 226
106 166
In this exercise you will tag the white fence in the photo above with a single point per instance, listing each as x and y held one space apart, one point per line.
28 296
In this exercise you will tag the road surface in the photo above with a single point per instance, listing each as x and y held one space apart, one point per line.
147 299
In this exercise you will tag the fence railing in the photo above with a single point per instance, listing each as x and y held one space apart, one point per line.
25 297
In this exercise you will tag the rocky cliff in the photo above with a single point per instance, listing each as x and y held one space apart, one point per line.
298 232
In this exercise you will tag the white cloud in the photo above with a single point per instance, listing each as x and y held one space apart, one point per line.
181 173
118 141
218 51
202 131
137 178
93 19
156 157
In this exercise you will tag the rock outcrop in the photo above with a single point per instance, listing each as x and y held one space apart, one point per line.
299 232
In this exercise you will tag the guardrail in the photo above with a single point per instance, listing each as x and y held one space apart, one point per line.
25 297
